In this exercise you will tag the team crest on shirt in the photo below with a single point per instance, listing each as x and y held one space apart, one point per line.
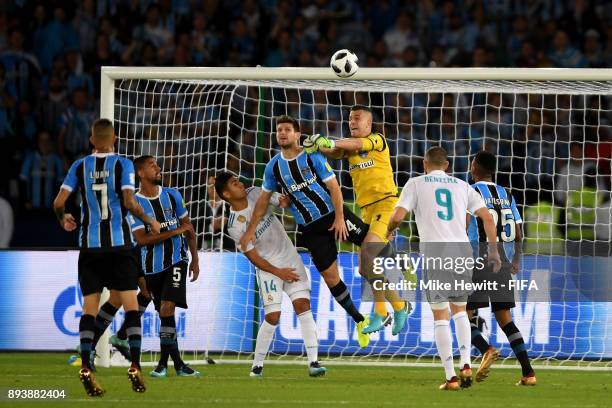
241 218
168 212
306 172
363 154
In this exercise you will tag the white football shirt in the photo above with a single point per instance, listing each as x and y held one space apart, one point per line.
440 203
271 240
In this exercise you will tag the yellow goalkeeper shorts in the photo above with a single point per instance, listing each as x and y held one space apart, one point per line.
377 216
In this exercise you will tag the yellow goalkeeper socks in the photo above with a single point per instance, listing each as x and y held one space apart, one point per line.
399 305
380 308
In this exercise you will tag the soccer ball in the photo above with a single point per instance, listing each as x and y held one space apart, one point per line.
344 63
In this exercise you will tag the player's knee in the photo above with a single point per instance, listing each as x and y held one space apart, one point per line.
301 305
115 299
503 317
273 318
91 303
331 276
166 309
457 307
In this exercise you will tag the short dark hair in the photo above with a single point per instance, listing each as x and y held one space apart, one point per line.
288 119
102 128
360 108
485 162
221 180
436 155
140 161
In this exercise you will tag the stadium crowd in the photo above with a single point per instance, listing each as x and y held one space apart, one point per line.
51 53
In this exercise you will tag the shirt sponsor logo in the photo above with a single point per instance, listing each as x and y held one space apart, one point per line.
300 186
167 224
361 166
263 226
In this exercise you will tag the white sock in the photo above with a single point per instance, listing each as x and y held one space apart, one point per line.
444 343
309 334
464 337
264 339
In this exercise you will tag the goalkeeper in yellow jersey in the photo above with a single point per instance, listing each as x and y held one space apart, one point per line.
376 193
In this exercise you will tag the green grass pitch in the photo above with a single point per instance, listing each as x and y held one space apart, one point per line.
229 385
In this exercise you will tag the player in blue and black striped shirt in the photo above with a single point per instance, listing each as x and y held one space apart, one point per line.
502 207
164 257
106 184
316 204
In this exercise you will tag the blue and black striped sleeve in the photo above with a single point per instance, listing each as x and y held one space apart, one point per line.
181 209
71 180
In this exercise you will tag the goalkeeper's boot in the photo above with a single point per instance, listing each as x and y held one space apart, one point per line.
186 371
528 380
363 338
465 376
257 372
400 317
316 370
450 385
122 346
137 379
488 358
377 322
159 372
88 379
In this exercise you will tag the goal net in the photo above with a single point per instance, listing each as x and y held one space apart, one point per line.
551 137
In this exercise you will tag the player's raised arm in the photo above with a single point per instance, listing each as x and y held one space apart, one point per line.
145 239
129 201
128 179
258 212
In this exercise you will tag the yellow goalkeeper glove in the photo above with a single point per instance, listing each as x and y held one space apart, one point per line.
315 142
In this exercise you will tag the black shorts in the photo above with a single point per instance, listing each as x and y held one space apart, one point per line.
321 243
169 285
111 269
500 299
138 258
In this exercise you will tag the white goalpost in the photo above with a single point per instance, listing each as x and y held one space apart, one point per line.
200 120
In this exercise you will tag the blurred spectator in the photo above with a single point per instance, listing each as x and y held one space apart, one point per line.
593 52
242 44
42 173
564 55
59 36
54 104
520 33
204 41
570 177
76 77
21 69
8 100
74 127
6 223
85 23
401 35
